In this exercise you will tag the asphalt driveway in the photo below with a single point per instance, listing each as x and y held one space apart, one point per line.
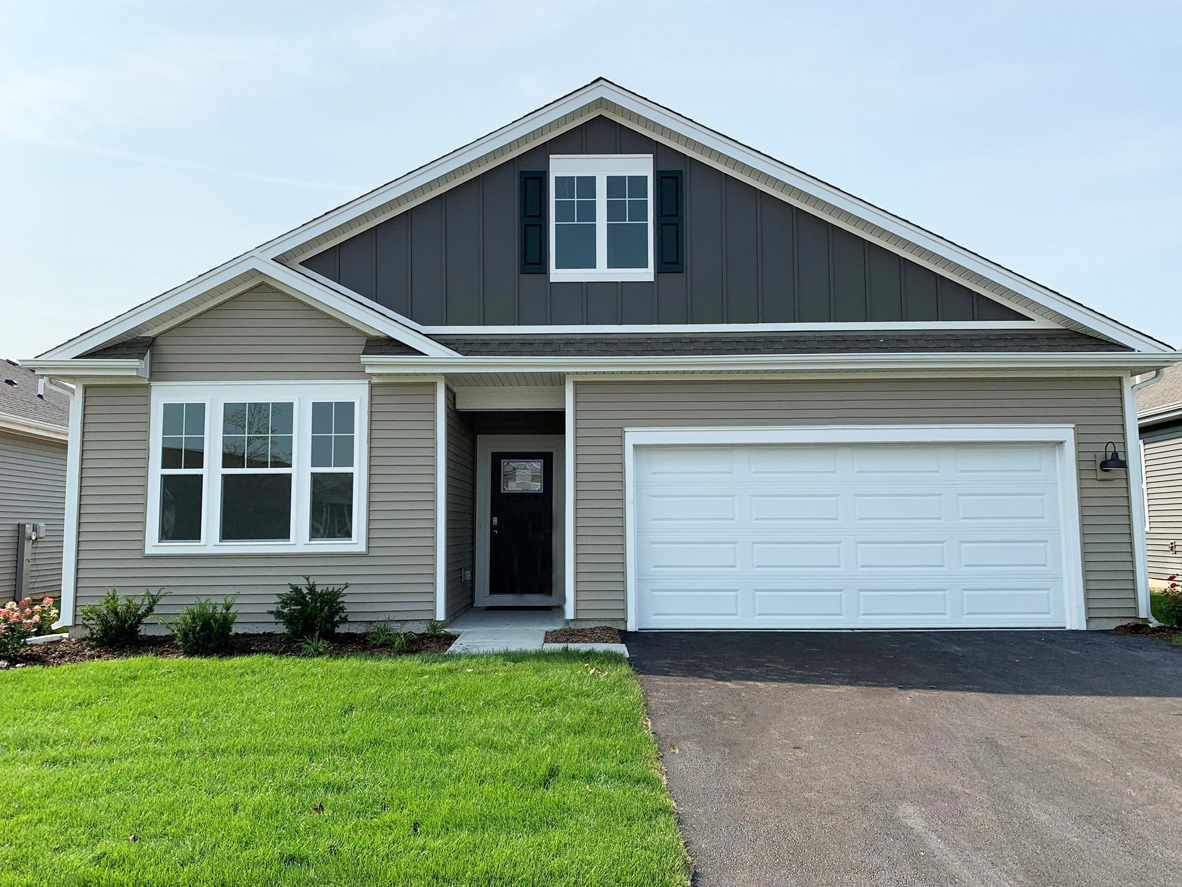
977 758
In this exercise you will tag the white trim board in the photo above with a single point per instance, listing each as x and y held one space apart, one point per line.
510 397
602 97
898 235
560 501
569 494
1103 363
1061 435
440 500
1040 323
1136 472
32 428
350 308
70 520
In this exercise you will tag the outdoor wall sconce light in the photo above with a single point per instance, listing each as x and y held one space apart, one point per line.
1112 460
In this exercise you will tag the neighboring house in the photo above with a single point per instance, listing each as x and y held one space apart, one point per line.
34 415
1159 414
609 360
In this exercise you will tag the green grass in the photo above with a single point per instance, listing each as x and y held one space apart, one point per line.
1156 600
518 769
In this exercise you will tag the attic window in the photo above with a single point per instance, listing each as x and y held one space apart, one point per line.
601 217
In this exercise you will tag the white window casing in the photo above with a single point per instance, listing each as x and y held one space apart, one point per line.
600 167
214 395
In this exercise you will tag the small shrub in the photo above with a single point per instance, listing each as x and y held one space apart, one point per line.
381 633
116 621
21 620
205 628
1170 606
313 646
435 628
308 611
402 641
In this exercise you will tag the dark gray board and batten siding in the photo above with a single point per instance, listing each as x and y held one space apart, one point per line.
749 258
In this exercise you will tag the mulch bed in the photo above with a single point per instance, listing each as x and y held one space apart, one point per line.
1161 632
600 634
273 644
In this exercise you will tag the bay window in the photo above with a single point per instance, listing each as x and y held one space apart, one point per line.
286 472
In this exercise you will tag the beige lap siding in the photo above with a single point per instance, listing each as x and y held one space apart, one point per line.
394 579
33 489
1163 484
603 409
261 334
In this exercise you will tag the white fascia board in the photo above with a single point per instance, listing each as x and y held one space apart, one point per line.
350 308
854 326
1088 361
1161 414
610 92
33 428
883 219
88 367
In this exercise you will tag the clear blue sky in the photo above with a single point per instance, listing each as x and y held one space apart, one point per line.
142 143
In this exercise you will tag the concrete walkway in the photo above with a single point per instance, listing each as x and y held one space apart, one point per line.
502 631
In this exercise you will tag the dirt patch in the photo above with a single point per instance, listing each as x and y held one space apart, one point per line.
1161 632
600 634
272 644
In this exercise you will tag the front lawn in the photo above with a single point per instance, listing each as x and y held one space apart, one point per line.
516 769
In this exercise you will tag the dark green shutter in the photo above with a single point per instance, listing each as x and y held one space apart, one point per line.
670 222
533 223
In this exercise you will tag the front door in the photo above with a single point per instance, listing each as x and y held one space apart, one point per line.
521 528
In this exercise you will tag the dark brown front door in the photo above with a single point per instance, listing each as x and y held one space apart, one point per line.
521 525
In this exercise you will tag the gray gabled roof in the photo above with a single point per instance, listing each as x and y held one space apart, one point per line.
19 398
664 344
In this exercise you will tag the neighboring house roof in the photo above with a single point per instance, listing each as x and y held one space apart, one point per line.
30 405
625 345
1162 400
275 261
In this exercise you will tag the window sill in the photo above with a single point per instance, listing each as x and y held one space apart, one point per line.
589 275
181 549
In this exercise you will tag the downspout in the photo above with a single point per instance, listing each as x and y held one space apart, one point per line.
1137 484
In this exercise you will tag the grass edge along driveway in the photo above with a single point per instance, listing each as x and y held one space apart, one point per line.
515 769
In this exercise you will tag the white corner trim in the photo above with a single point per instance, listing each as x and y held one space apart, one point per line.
520 397
569 509
1063 436
70 520
441 500
350 308
33 428
1136 498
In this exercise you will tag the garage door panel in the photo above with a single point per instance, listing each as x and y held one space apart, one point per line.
848 536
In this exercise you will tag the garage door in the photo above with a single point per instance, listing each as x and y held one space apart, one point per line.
848 536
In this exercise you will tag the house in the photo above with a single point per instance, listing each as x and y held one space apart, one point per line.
1159 416
609 360
33 433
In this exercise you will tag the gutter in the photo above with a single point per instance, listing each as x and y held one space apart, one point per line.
88 367
1101 363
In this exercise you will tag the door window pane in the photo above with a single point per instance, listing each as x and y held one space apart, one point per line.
332 505
180 507
256 507
521 475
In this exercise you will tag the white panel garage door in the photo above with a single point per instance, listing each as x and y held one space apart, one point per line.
848 536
